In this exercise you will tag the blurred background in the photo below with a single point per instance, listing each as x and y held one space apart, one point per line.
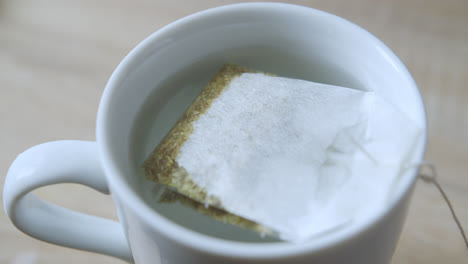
56 57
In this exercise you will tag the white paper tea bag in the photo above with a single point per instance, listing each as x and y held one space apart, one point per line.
297 157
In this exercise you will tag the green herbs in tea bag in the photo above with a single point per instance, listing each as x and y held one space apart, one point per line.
283 156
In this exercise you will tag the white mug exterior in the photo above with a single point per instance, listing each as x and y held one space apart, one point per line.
310 34
73 162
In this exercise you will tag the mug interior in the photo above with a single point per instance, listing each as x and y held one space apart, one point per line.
157 81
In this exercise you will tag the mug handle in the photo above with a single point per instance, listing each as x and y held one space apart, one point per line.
55 162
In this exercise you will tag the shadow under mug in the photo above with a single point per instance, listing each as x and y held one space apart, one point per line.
288 40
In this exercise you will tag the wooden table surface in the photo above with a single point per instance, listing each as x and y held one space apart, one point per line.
56 56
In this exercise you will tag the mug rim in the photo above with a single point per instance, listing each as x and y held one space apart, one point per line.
209 244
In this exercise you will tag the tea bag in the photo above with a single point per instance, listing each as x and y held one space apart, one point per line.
285 156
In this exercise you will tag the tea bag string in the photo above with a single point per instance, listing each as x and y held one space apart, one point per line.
428 173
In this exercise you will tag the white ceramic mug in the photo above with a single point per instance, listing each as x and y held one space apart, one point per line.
288 40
